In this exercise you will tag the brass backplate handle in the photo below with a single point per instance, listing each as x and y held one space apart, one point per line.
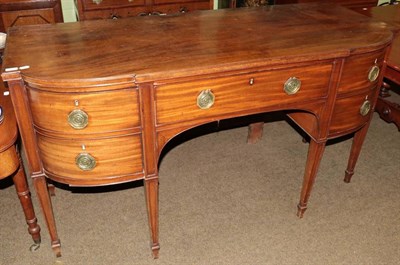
373 73
85 161
78 119
205 99
292 85
365 108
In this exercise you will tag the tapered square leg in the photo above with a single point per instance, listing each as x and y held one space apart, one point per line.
358 141
255 132
315 152
151 190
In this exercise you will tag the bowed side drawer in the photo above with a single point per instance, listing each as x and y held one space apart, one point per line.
84 113
92 161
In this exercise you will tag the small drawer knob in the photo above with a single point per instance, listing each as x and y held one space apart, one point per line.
292 85
373 73
97 2
85 161
205 99
78 119
365 108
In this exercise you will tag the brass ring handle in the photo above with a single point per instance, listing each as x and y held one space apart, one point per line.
292 85
373 73
205 99
365 108
78 119
1 115
85 161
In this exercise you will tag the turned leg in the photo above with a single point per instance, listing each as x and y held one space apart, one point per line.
384 92
24 195
315 151
40 184
255 132
358 141
151 190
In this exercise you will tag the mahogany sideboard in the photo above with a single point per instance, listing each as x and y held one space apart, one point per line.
90 118
102 9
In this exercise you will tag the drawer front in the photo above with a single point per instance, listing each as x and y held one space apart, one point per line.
347 113
158 2
240 93
182 7
110 4
112 157
356 71
114 13
106 111
28 17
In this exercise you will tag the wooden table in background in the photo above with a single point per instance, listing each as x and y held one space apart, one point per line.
10 163
17 13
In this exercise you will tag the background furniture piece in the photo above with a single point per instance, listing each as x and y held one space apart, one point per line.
102 9
28 12
390 111
10 163
356 5
89 118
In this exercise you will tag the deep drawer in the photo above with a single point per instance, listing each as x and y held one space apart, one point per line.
106 111
347 113
240 93
74 159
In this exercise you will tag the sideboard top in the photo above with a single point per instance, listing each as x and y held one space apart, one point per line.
158 47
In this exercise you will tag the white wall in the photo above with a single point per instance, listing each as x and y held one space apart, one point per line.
68 8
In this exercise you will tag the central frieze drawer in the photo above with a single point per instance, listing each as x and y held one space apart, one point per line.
74 160
239 93
103 111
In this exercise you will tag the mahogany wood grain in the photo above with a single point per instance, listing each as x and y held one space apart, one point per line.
122 154
113 110
170 61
